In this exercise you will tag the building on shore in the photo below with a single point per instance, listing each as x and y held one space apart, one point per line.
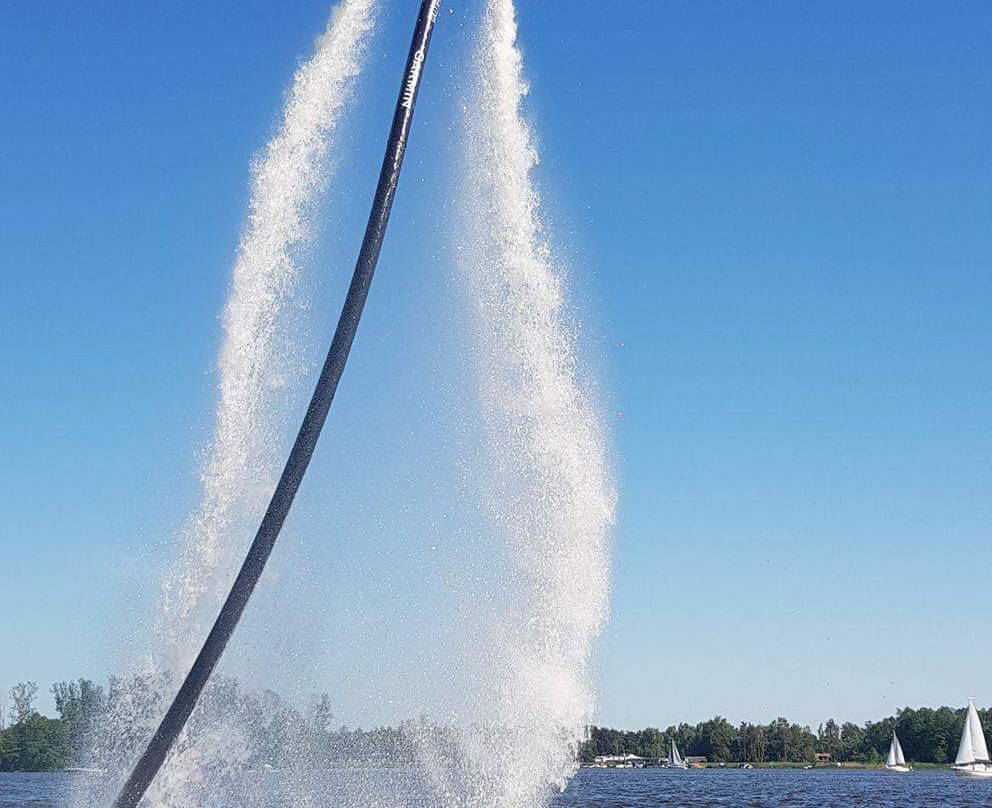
624 762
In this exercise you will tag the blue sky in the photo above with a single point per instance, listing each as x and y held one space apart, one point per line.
780 210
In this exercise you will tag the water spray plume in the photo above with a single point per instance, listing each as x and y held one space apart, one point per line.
551 493
306 441
257 371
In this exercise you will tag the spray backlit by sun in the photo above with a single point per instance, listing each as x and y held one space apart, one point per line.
260 376
550 490
258 363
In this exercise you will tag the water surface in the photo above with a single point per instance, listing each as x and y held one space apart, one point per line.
594 788
766 788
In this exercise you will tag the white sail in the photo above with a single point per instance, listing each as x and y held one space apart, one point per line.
674 758
893 757
900 757
972 747
978 745
964 748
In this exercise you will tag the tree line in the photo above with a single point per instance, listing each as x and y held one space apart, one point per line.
103 727
927 735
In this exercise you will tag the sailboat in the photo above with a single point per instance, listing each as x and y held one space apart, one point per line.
896 761
675 759
973 754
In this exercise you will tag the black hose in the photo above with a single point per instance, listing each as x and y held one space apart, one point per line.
306 441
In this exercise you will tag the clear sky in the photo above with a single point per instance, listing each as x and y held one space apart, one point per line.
780 210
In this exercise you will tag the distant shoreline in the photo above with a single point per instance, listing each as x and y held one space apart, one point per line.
929 737
281 733
791 765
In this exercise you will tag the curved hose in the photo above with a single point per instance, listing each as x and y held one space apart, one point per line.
313 422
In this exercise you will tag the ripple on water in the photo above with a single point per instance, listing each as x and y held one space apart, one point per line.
651 788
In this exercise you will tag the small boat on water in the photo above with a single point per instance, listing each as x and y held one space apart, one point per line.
896 761
675 760
973 753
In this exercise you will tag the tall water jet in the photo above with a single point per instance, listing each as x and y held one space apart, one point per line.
550 489
256 363
259 374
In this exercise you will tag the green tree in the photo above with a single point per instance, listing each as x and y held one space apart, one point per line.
751 743
851 745
828 738
22 696
715 739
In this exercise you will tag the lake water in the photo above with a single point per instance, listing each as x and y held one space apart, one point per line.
597 788
765 788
